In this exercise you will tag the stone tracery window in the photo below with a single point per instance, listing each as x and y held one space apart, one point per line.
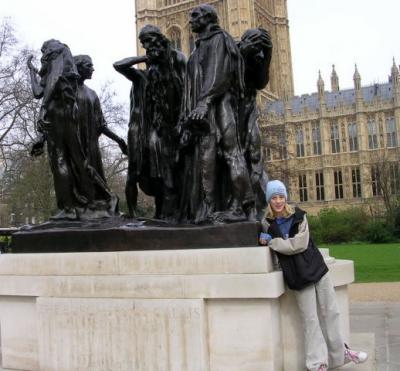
316 138
391 140
353 139
338 179
319 183
335 143
375 181
303 192
372 135
299 142
356 182
175 36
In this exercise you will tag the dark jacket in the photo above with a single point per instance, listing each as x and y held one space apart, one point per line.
302 268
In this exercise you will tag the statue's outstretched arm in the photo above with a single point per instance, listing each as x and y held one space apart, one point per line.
37 89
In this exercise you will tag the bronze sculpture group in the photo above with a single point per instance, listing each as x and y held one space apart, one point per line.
193 139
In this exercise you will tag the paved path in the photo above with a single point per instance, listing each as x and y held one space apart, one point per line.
382 319
379 292
375 308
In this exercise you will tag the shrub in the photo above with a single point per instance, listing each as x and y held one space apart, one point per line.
336 226
379 232
315 228
396 222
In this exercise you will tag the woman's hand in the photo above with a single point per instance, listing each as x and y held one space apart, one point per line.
264 238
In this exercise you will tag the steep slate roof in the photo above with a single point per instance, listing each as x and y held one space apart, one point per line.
332 99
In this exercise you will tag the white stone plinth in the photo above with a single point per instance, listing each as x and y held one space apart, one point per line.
181 310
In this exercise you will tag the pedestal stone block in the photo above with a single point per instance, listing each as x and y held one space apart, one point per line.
121 334
19 336
244 335
184 310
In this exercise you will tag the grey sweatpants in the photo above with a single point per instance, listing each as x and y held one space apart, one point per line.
324 343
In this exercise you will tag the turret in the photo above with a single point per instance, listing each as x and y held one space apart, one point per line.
394 77
320 85
356 78
334 79
394 74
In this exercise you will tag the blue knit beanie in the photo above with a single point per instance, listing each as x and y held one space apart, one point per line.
275 187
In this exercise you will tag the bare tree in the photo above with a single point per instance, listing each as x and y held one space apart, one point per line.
385 178
275 139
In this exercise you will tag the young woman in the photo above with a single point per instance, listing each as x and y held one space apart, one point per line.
285 230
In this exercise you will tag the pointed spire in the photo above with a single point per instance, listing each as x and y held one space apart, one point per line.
334 79
320 84
395 73
356 78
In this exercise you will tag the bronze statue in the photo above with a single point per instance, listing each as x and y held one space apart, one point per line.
70 122
56 83
256 49
214 163
92 124
152 135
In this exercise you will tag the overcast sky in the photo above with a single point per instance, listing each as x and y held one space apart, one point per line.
323 32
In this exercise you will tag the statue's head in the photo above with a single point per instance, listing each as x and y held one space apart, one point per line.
51 49
154 42
84 65
202 16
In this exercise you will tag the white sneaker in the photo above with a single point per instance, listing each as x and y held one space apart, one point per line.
354 356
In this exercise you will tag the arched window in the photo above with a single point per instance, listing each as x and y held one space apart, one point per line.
175 37
372 135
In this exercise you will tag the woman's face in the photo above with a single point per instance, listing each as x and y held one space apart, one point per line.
277 203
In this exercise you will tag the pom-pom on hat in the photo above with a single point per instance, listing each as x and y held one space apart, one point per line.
275 187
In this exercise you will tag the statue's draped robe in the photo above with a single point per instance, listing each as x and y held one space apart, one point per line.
72 182
214 77
91 122
155 102
256 77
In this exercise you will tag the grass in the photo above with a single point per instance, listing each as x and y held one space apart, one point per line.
372 262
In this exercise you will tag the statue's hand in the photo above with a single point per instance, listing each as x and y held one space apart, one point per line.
30 65
38 147
247 47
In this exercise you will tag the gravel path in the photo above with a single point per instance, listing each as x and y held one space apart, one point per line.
383 291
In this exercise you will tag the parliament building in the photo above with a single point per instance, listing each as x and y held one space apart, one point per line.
333 147
337 148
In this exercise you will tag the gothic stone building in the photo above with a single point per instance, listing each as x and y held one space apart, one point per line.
236 16
337 148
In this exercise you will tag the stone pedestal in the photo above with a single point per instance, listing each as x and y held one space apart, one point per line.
184 310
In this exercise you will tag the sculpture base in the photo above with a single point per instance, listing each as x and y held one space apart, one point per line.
173 310
118 234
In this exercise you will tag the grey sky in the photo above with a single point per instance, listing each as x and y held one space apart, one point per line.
323 32
343 32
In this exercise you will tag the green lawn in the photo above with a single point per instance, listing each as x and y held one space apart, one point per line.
372 262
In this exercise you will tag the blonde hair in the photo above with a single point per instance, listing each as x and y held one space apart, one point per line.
287 211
